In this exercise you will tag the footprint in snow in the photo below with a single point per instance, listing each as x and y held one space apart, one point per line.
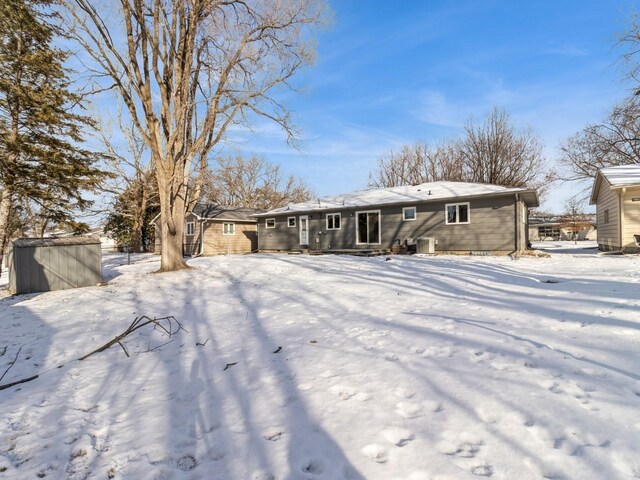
314 466
409 409
398 436
343 392
482 470
377 453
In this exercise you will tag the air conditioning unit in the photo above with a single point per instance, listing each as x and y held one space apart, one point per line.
426 245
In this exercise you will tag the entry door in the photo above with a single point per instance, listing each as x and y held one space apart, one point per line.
304 230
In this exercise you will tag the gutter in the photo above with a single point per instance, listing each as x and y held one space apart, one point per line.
517 235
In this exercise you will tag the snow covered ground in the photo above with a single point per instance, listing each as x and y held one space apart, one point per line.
410 368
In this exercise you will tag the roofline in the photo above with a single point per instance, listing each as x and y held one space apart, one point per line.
191 212
382 205
596 187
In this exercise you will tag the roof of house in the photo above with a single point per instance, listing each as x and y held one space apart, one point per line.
434 191
219 212
617 177
54 242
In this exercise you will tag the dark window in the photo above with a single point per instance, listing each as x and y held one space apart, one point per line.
369 227
292 221
333 221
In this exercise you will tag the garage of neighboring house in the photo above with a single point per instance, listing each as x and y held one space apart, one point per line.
216 230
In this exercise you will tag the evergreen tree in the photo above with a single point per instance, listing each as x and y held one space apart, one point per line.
40 127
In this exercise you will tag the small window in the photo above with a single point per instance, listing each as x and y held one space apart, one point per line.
191 228
456 213
270 223
606 216
228 229
333 221
291 221
408 214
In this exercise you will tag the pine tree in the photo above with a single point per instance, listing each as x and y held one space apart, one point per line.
40 127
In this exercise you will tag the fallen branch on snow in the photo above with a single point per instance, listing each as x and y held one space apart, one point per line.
168 325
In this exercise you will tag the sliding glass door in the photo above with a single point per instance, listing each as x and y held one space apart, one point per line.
368 227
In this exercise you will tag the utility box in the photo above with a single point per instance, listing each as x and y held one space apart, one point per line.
426 245
42 265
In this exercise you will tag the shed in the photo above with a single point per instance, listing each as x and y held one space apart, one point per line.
41 265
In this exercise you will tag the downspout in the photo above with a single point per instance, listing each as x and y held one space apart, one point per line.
201 239
517 249
621 216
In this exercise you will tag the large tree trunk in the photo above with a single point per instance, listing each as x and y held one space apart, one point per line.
172 208
5 212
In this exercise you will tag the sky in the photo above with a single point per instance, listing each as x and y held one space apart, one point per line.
394 73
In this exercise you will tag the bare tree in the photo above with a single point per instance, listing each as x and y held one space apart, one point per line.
491 152
134 185
495 152
252 183
615 141
574 219
188 69
415 164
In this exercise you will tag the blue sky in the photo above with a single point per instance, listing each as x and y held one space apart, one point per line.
393 73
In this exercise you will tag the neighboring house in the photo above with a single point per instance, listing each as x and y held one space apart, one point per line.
216 230
616 195
551 228
107 243
462 217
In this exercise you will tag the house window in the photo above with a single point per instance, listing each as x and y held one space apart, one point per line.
549 232
191 228
606 216
368 227
408 214
270 223
228 229
291 221
333 221
456 213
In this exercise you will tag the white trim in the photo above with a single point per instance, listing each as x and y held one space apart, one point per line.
193 229
295 223
334 215
415 214
379 242
306 218
233 229
266 223
457 205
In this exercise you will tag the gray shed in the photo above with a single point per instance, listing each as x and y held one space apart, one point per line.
41 265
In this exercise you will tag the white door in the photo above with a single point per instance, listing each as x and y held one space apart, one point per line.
304 230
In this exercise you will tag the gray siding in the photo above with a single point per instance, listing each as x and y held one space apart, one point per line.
609 232
492 227
44 268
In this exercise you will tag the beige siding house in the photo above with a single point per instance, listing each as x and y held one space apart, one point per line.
457 216
616 195
216 230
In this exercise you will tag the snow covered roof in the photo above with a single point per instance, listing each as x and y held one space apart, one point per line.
617 177
219 212
54 242
434 191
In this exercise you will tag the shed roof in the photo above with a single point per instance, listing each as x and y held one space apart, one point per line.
434 191
617 177
54 242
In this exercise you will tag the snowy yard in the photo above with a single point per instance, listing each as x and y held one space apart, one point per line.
410 368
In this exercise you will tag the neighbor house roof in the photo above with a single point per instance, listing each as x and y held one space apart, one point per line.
219 212
617 177
434 191
211 211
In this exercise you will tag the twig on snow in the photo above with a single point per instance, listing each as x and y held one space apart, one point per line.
229 365
198 344
12 363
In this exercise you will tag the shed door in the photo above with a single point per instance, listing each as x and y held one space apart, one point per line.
304 230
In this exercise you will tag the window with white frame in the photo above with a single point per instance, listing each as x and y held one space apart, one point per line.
228 229
456 213
291 221
191 228
333 221
408 214
270 223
